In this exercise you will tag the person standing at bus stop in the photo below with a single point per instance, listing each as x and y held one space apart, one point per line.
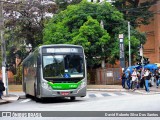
2 88
123 78
147 77
157 77
128 76
134 79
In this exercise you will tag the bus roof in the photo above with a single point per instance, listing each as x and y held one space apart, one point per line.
59 45
50 45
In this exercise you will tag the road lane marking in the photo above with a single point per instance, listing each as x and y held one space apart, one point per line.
99 95
118 93
92 95
125 93
112 94
24 101
105 94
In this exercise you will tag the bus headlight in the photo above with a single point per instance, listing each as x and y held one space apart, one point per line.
83 84
46 86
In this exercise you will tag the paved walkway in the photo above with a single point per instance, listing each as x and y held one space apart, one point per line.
18 88
9 98
153 89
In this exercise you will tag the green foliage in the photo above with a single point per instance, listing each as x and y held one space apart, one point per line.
136 11
24 23
62 4
93 38
80 24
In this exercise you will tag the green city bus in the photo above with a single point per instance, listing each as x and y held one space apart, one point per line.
57 70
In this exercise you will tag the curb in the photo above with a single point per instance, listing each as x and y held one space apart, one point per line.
125 90
3 101
147 93
10 98
106 89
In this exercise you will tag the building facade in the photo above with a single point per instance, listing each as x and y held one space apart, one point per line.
152 45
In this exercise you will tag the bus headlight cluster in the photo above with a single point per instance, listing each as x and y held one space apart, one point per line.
83 84
46 86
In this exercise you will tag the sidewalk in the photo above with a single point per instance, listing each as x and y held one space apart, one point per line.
9 98
153 89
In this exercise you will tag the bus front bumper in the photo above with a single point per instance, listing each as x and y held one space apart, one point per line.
79 92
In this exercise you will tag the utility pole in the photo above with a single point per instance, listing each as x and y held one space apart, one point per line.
3 50
103 60
129 38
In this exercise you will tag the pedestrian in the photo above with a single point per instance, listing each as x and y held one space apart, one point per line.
157 77
134 79
139 78
123 79
128 77
2 88
147 75
152 77
142 79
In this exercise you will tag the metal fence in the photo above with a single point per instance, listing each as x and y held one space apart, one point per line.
12 81
109 76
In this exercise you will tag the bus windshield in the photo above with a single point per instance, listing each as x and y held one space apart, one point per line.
63 66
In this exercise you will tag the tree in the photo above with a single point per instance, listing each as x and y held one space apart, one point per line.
94 39
24 23
26 19
80 24
62 4
136 11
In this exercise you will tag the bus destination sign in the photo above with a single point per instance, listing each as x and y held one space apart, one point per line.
63 50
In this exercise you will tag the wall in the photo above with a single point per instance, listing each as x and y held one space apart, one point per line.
152 47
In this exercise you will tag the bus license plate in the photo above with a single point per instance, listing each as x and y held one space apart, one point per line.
64 93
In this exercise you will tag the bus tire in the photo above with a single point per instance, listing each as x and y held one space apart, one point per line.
72 98
27 96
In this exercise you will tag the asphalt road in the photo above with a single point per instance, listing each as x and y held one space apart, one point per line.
94 101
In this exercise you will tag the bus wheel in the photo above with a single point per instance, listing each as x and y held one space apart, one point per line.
27 96
72 98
